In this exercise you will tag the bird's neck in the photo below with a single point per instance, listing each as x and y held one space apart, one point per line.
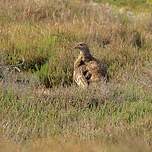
86 54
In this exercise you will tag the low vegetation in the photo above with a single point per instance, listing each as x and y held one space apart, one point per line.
41 100
136 5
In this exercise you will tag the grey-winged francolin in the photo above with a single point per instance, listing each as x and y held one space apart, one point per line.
88 69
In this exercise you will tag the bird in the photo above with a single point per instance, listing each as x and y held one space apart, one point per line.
88 69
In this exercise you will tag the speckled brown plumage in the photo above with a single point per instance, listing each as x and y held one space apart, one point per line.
88 69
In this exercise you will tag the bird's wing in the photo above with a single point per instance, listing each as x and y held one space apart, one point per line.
98 70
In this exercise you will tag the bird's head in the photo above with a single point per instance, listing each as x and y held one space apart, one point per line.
83 47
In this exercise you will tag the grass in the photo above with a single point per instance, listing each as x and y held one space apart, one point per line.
41 107
27 116
136 5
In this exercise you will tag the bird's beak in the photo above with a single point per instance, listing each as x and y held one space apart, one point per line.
76 47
